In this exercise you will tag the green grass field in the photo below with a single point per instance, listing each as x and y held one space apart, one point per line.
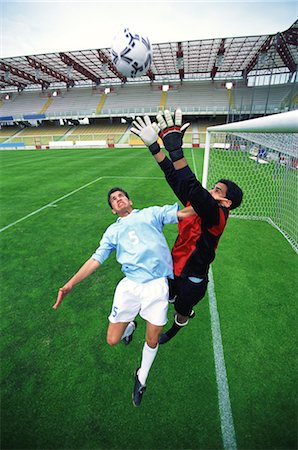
63 387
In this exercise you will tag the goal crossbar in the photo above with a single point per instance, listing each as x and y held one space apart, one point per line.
277 123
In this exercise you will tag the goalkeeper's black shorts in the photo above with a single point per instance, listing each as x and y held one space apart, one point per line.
187 292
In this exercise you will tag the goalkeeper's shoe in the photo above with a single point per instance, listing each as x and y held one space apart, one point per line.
163 338
127 339
192 314
172 299
138 390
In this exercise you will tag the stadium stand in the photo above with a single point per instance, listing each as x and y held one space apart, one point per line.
262 72
23 103
163 100
7 132
104 131
135 99
49 132
260 100
41 135
199 98
74 102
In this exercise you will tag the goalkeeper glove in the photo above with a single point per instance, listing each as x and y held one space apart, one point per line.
148 132
172 133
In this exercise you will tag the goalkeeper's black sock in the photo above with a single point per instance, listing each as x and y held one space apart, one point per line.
175 328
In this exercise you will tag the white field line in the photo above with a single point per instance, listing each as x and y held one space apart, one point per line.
69 194
225 410
194 161
49 204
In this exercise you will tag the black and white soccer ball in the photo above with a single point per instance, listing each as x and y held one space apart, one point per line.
131 53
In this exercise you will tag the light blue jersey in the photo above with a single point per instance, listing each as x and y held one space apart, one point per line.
140 245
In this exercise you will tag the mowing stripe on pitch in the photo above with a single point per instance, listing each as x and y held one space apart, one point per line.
225 410
68 195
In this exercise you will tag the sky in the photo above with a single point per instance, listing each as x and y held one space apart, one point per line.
33 27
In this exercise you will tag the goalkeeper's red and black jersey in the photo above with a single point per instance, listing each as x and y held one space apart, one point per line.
198 235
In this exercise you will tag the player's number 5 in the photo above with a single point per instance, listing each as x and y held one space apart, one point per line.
133 237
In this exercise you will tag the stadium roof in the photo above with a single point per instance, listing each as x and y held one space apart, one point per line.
215 59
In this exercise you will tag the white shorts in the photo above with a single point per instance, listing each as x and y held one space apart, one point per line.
149 300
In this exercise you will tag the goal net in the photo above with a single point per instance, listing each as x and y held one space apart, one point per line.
261 156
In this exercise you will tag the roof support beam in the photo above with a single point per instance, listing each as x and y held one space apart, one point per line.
291 35
180 60
71 62
53 73
105 60
24 75
19 85
284 52
263 49
151 75
218 59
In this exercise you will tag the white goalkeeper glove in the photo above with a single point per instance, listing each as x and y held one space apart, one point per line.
171 132
148 132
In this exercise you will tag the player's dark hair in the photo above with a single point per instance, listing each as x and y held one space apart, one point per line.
114 189
234 193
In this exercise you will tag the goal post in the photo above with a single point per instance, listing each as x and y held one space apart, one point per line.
261 156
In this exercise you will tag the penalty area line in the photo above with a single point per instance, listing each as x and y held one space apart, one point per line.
53 203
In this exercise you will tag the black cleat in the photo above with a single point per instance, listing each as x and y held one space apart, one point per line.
192 314
127 340
172 299
163 338
138 391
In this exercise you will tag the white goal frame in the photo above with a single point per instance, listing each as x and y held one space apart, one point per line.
235 143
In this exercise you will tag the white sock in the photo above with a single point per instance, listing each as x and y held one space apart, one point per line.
128 330
148 356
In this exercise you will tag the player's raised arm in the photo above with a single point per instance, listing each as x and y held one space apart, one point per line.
87 269
171 133
148 132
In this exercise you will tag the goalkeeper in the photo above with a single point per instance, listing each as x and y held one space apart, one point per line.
198 235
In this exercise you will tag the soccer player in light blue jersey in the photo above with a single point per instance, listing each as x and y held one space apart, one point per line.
146 262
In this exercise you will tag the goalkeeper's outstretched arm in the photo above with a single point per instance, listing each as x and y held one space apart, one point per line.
149 133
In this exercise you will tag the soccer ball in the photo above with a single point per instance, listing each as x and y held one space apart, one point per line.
131 53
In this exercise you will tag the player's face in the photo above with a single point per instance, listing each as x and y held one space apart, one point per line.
121 205
219 191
